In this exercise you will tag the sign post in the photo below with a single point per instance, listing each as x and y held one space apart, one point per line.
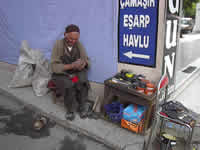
137 32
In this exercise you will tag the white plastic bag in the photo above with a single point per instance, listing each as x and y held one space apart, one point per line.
33 69
24 71
41 77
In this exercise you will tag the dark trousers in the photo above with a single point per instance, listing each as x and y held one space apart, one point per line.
74 93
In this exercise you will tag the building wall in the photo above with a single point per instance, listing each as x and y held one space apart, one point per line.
152 74
43 22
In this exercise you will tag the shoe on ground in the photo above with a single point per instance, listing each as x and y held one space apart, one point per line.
70 116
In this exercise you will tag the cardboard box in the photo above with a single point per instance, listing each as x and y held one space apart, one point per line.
134 113
137 128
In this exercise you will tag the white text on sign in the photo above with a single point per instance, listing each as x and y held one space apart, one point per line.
137 3
138 21
171 42
132 40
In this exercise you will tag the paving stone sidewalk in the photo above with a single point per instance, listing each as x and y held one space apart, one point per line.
105 132
100 130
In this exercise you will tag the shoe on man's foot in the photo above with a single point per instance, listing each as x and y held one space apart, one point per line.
84 110
83 114
70 116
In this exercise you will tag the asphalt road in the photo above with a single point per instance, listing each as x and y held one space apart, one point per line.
17 133
188 50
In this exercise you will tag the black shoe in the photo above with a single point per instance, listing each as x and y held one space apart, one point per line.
70 116
83 114
84 110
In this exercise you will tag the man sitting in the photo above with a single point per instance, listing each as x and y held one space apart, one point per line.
69 64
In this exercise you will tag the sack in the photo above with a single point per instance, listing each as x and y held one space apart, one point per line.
24 71
33 69
41 77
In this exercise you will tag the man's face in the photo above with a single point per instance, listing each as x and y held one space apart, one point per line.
71 38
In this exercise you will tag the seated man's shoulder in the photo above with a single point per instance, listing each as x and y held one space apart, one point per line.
60 41
79 45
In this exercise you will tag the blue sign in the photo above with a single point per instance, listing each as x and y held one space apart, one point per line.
137 36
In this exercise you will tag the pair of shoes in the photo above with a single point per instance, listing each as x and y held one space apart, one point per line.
70 116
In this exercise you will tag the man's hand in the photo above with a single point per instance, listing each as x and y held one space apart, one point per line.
78 64
82 66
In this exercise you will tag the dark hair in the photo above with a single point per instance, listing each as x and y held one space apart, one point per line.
72 28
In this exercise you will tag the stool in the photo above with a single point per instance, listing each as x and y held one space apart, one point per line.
169 140
185 126
56 96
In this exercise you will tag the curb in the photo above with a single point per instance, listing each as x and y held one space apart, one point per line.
63 123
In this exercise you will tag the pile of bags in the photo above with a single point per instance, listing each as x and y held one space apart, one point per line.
32 70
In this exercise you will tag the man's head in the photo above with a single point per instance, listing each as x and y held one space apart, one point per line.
72 34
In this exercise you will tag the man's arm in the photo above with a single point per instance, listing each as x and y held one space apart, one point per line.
83 54
56 64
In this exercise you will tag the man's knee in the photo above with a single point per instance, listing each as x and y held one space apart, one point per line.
83 86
